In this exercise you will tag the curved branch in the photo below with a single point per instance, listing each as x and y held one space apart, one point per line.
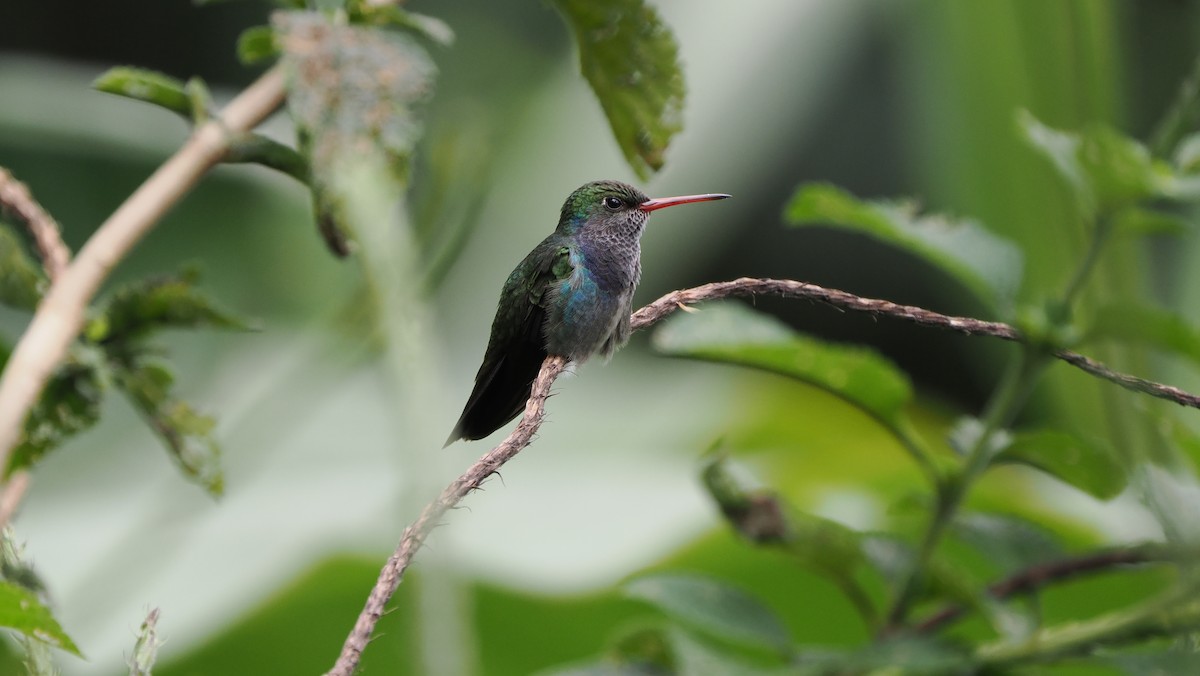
16 197
60 315
415 534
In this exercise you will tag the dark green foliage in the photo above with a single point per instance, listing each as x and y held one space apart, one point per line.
168 302
187 434
630 59
149 86
1146 324
69 405
1084 463
21 282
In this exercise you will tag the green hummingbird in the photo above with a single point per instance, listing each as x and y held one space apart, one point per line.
571 296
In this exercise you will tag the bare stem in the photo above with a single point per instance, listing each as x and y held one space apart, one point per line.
60 315
15 197
414 535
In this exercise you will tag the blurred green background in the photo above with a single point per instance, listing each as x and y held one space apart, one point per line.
884 98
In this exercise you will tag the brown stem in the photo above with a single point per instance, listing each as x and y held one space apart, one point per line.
60 315
1035 577
15 197
414 535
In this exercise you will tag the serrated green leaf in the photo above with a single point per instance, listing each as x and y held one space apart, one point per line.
731 333
69 404
1105 170
630 59
713 608
1009 542
168 302
1144 324
257 44
146 85
351 93
21 610
988 265
1081 462
21 280
187 434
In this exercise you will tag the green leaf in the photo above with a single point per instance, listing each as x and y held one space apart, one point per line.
257 44
1106 170
988 265
1148 325
268 152
69 404
906 655
714 609
1010 542
351 93
21 280
187 434
1140 221
734 334
1187 154
147 85
168 302
1081 462
21 610
630 59
389 15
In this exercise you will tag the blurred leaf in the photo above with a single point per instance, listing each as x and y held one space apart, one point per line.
351 90
734 334
1081 462
69 404
1181 658
756 515
21 610
713 608
167 302
908 655
1139 221
1105 169
630 59
1144 324
1009 542
257 44
986 264
389 15
270 153
21 280
146 85
187 434
657 651
1187 154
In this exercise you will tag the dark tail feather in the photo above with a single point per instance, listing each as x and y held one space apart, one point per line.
500 393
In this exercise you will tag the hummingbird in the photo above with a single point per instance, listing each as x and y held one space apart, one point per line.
571 296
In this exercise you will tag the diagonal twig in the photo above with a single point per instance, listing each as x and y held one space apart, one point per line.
415 534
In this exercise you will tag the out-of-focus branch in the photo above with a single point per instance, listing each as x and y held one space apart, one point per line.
1033 578
414 535
60 315
15 197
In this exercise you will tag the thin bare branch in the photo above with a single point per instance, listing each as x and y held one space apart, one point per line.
1035 577
414 535
60 315
15 197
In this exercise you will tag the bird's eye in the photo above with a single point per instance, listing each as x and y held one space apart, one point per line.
613 203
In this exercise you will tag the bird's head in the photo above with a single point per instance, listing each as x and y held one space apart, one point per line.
615 207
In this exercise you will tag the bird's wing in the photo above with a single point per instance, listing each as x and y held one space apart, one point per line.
517 345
